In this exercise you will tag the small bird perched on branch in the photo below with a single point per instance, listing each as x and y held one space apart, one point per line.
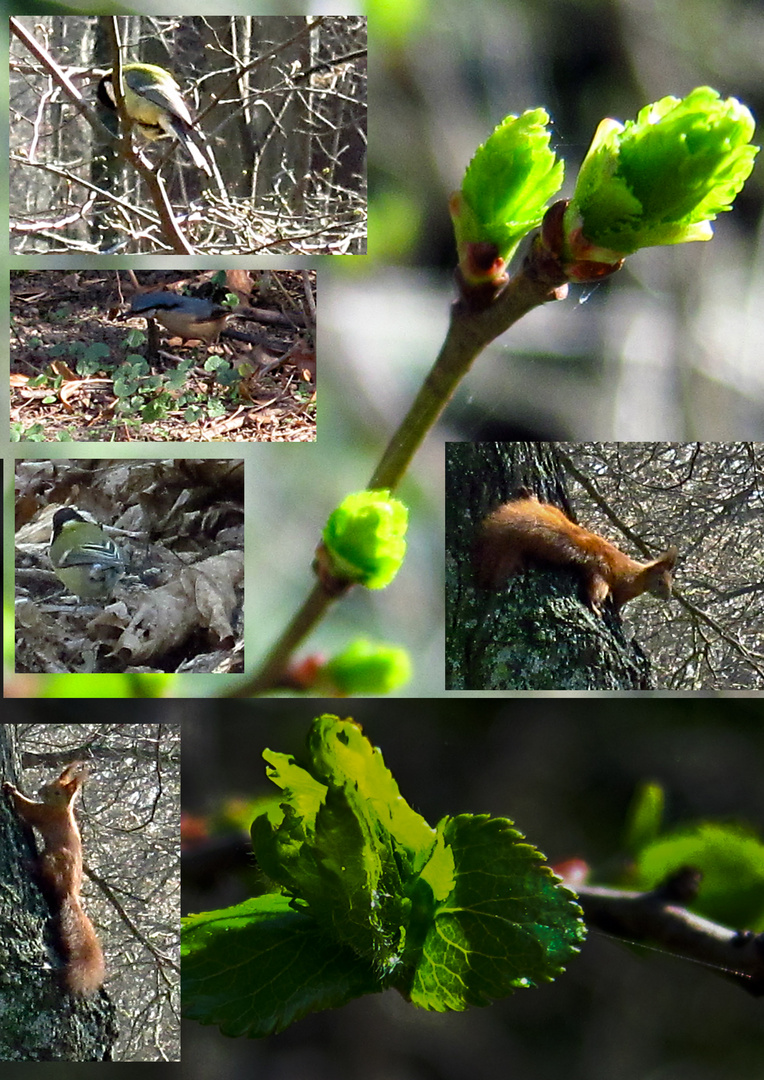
187 317
154 103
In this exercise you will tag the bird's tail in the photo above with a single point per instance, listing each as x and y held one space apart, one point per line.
195 145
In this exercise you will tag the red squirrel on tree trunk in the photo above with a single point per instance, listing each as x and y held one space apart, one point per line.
60 869
526 531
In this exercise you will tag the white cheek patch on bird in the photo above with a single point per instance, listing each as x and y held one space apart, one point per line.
83 557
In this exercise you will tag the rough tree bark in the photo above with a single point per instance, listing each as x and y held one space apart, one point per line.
40 1021
535 634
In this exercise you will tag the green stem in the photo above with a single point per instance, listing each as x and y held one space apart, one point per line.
468 334
275 663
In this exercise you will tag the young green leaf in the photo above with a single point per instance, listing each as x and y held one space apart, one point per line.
659 179
506 924
375 898
365 667
341 840
504 194
255 968
363 540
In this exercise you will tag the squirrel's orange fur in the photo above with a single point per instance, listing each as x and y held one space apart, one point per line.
61 874
528 531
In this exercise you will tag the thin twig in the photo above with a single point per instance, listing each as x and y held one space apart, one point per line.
469 333
275 663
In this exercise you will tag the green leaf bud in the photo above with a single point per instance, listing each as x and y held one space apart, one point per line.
366 667
363 541
503 195
659 179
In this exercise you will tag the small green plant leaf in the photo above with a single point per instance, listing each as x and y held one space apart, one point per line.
156 409
92 358
134 338
193 414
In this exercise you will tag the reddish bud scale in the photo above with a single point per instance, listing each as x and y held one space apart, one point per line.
552 232
302 675
477 296
322 567
564 251
583 269
483 262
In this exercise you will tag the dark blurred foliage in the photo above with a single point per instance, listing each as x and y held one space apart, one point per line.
565 772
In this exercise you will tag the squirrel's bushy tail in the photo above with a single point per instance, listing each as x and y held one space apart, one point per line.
84 960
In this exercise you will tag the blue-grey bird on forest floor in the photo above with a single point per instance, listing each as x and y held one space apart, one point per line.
183 316
154 103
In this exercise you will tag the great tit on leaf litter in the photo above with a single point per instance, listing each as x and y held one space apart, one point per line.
83 556
183 316
154 103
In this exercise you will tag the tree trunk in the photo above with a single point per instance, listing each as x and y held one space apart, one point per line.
535 633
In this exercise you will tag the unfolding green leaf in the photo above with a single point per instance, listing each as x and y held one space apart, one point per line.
662 178
341 840
506 188
450 917
363 539
343 755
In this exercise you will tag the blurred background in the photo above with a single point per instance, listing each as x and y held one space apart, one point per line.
565 772
669 348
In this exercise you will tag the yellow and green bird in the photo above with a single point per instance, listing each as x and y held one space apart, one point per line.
82 555
154 103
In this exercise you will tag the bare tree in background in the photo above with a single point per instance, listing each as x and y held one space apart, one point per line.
282 101
708 499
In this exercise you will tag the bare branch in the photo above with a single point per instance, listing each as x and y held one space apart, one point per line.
660 918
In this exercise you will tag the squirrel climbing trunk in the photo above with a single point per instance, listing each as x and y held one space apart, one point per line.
527 531
60 869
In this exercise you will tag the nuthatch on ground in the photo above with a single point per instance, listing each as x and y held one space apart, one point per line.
183 316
